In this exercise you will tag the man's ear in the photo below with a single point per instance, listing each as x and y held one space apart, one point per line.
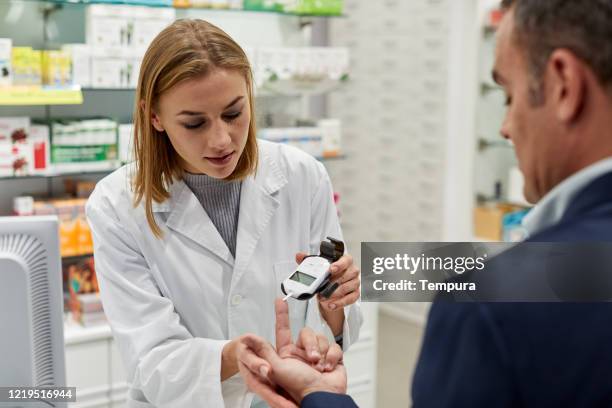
155 120
568 82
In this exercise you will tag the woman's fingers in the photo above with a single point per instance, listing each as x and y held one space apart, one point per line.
338 268
264 389
247 355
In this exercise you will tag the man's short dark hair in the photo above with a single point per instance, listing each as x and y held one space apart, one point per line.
581 26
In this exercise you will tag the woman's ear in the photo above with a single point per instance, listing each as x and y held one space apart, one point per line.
155 120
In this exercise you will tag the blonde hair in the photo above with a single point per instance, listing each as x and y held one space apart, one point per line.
185 50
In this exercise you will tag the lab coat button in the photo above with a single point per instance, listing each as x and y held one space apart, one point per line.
236 299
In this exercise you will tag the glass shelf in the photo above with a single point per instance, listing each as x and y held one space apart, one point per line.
288 87
39 95
110 170
297 87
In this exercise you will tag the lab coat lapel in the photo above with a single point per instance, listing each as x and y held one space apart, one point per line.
257 207
188 217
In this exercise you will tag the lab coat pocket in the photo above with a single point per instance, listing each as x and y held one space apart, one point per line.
297 308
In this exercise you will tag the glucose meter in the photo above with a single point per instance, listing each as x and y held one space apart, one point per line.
312 275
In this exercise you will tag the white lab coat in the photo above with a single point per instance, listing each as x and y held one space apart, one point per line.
174 302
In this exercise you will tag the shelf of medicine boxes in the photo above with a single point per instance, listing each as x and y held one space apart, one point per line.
307 86
184 5
111 168
40 95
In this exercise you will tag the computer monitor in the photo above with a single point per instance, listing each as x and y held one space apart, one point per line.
31 305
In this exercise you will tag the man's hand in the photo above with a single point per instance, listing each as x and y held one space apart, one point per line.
308 366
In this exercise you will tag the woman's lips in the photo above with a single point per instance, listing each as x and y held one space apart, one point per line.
221 160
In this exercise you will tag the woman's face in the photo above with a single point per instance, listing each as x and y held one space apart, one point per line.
207 120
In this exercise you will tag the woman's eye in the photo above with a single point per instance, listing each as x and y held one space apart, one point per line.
192 126
229 117
508 100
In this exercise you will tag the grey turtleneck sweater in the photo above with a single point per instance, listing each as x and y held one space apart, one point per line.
221 201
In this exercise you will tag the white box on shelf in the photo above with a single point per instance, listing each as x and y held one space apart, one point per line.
109 10
80 55
126 136
133 80
107 31
236 4
146 30
14 129
516 187
6 71
332 136
160 13
308 139
16 159
107 72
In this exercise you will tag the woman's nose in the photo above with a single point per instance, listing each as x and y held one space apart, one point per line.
219 137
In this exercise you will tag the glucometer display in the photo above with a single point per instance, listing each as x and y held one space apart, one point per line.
313 275
303 278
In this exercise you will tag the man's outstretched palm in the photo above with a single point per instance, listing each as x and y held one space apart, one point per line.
293 367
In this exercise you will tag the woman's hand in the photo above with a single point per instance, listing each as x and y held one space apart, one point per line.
346 274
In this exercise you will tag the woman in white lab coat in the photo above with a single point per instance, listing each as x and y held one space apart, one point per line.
184 271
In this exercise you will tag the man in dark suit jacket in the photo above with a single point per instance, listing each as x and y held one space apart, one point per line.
554 62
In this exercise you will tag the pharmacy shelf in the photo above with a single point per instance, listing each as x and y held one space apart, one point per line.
100 172
38 95
303 87
272 87
169 4
103 172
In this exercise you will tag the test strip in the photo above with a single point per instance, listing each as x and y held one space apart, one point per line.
287 297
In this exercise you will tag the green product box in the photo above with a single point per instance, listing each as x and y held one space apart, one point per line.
85 140
82 154
262 5
318 7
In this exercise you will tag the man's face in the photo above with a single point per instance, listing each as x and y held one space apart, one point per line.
531 126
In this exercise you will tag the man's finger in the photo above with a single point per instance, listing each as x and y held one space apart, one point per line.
307 340
283 330
323 348
293 351
333 357
299 257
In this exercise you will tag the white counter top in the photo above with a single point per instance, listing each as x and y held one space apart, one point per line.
75 333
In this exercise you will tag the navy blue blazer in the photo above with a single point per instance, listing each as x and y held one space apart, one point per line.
327 400
519 354
525 354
